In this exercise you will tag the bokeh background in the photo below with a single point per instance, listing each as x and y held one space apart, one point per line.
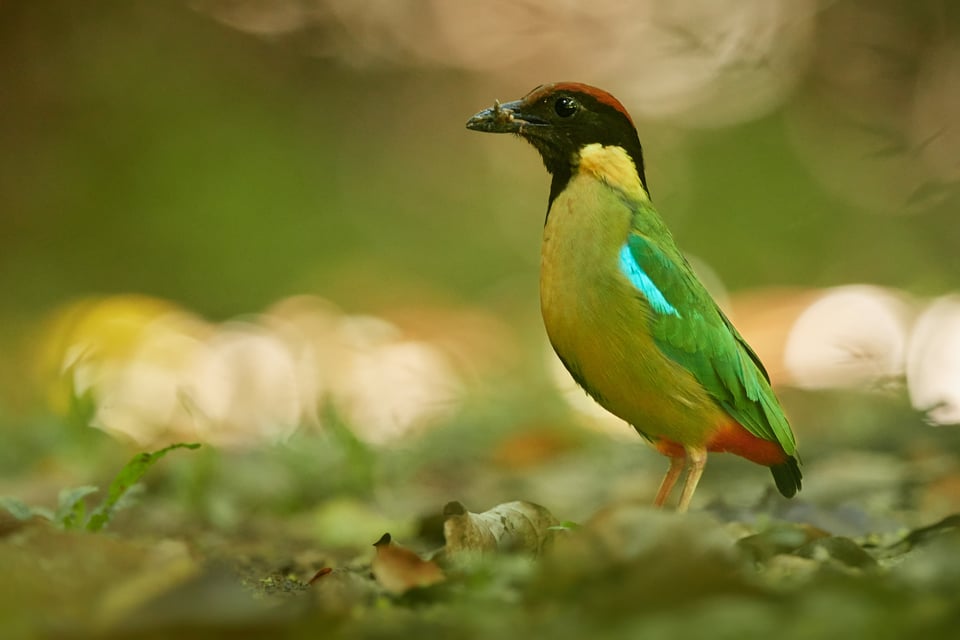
263 226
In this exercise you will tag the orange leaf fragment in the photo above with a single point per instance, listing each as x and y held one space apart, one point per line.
399 569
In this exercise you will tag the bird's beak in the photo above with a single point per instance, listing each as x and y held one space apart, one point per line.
504 118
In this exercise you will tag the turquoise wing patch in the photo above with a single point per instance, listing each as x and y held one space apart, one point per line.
642 282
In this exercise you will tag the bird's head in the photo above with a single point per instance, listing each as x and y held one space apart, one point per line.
561 120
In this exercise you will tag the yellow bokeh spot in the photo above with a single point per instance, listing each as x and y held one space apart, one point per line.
103 328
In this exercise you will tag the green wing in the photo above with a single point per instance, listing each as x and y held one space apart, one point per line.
697 335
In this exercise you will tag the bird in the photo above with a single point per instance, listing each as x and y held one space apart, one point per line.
622 307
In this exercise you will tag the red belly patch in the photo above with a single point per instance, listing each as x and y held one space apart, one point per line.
732 438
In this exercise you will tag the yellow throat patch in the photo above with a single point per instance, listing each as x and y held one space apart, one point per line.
613 166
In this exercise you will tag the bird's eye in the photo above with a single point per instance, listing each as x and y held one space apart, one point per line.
565 106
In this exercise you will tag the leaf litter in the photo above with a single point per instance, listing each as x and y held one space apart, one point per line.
798 569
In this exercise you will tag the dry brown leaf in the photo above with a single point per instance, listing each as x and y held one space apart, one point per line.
399 569
513 526
319 574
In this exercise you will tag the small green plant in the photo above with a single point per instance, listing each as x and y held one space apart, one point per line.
71 512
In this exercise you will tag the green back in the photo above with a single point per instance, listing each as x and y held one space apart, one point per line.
701 338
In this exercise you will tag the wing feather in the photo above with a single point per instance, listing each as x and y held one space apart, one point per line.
702 339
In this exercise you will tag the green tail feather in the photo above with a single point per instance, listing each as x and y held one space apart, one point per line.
787 476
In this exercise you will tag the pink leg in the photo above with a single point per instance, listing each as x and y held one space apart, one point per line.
666 486
698 460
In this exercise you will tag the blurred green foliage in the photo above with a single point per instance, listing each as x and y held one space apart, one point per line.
148 148
71 511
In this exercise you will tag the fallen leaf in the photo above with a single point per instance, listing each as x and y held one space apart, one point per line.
319 574
512 527
399 569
